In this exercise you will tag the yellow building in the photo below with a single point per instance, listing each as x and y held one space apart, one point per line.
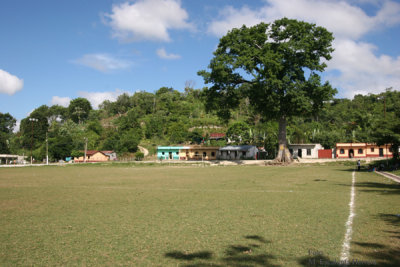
199 153
362 150
93 156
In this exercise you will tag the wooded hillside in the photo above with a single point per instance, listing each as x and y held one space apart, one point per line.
169 117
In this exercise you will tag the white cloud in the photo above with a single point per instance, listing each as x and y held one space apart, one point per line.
17 126
62 101
9 84
96 98
234 18
164 55
147 20
360 70
102 62
356 66
343 19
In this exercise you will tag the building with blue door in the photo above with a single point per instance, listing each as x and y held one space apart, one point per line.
169 152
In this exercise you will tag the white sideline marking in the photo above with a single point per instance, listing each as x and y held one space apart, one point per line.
344 257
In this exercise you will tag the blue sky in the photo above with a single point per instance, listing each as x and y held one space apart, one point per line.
54 51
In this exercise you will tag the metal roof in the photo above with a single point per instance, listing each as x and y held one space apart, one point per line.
237 148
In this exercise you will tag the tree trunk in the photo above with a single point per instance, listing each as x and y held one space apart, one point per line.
284 155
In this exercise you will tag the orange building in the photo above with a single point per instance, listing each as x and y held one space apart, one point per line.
199 153
93 156
362 150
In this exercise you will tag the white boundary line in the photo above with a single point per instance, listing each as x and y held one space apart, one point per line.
344 256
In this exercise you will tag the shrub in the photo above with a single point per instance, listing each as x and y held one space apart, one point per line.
139 155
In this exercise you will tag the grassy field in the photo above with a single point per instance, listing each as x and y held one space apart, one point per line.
194 216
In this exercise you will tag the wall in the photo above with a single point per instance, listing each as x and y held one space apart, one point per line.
368 150
325 153
191 154
313 149
166 155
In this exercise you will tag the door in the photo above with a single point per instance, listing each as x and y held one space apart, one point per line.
299 153
170 155
380 152
351 153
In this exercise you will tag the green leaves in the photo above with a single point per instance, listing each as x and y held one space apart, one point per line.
78 109
267 64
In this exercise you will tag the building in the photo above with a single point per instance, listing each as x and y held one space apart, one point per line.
237 152
362 150
199 153
93 156
111 154
170 152
305 151
11 159
217 136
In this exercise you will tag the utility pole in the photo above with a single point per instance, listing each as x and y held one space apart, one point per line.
86 140
32 120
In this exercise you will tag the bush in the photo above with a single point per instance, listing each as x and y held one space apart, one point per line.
139 155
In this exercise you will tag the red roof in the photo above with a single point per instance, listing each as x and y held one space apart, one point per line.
91 152
217 135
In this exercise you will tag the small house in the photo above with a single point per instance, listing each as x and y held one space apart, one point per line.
237 152
217 136
170 152
362 150
305 151
93 156
199 153
111 154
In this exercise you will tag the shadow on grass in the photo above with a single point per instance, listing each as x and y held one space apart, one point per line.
245 255
189 256
382 254
392 219
374 187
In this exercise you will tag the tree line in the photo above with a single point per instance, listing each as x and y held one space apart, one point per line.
171 117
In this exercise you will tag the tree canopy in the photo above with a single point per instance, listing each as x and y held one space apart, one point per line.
79 109
276 66
7 123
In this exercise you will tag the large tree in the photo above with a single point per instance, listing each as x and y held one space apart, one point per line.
7 123
79 109
276 66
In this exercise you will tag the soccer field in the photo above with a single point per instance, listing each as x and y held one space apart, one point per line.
195 216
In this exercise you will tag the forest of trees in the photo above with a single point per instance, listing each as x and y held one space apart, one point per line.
170 117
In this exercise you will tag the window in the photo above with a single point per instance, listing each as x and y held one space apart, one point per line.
163 153
243 153
204 154
360 151
308 151
390 149
212 154
342 151
372 149
196 153
177 153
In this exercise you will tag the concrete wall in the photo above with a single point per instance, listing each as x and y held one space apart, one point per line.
305 151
